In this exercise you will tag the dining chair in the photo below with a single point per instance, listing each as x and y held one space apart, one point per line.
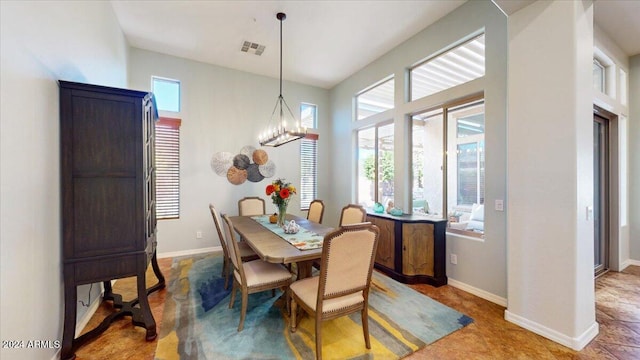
342 287
353 214
316 211
246 252
253 276
250 206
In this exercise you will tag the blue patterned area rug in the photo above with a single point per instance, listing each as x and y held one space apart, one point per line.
198 323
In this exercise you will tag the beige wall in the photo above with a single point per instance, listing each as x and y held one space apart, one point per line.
43 42
222 110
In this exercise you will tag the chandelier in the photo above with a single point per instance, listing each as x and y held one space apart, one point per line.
278 131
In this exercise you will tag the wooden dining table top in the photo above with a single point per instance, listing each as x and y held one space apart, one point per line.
271 247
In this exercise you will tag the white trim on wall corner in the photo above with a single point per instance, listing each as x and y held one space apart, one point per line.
576 343
478 292
189 252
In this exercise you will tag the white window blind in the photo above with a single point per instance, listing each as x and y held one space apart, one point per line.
308 157
168 168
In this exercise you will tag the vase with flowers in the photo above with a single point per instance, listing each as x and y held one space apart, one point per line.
280 192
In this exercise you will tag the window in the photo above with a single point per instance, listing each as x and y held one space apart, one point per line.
308 157
375 165
168 168
454 67
167 93
598 76
167 96
427 165
376 99
464 128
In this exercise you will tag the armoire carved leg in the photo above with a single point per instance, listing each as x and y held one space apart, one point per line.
69 330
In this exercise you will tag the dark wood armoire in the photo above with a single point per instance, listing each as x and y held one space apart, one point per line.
108 200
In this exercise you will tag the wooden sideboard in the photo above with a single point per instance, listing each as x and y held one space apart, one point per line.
411 248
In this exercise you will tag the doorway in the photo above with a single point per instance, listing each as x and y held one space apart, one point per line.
601 195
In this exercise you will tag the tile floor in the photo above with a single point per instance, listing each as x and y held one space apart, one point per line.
489 337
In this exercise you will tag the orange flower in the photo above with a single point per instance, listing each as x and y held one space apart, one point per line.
284 193
270 189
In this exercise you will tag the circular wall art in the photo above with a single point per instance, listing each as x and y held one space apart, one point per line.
241 161
250 164
248 151
253 173
268 169
221 162
260 157
236 176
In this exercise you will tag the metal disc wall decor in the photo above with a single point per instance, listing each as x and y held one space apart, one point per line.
236 176
253 173
241 161
221 162
250 164
248 151
260 157
268 169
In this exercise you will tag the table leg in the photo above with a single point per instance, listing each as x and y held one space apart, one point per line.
304 269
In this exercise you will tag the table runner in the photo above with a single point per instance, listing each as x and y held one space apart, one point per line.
302 240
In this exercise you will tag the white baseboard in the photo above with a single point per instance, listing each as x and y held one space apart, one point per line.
628 262
478 292
189 252
576 343
89 313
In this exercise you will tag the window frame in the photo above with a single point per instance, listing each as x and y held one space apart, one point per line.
376 156
155 78
440 55
356 102
446 108
308 153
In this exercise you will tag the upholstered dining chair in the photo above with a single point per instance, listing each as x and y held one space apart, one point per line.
353 214
251 206
316 211
253 276
246 252
343 285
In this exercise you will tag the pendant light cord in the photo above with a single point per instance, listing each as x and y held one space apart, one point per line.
281 19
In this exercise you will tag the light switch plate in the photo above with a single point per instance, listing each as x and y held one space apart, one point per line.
499 205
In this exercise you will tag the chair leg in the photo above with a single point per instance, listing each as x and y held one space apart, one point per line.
225 273
243 310
233 295
318 337
365 326
292 319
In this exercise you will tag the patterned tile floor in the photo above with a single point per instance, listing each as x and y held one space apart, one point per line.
489 337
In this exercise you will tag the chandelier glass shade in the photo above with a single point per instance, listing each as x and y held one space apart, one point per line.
279 131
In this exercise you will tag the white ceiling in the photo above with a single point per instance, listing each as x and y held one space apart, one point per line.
324 42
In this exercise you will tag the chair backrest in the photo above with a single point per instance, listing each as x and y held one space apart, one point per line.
353 214
250 206
316 211
218 223
232 246
348 255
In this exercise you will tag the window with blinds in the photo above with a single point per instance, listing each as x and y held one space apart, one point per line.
308 157
168 168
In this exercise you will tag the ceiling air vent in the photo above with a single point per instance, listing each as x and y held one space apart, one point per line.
252 47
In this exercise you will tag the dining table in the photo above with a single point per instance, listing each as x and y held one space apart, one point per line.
267 241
